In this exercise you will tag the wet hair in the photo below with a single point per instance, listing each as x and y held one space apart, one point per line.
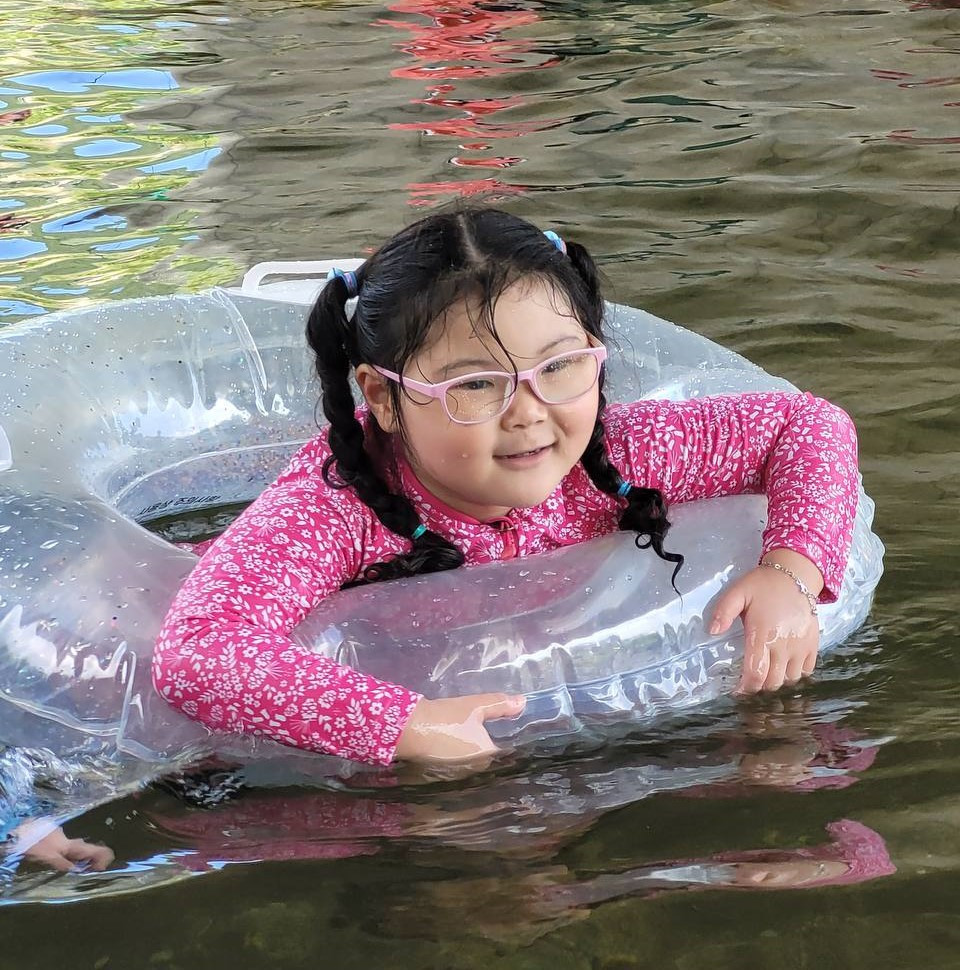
469 255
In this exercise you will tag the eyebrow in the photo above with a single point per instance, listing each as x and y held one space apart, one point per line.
491 365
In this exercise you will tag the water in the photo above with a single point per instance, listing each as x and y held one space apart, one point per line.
780 176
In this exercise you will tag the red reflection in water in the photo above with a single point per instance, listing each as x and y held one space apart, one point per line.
462 39
9 117
425 193
910 135
911 271
910 81
9 222
464 36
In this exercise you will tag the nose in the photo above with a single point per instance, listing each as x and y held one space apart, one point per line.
525 408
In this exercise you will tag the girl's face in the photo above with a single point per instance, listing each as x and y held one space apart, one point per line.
511 461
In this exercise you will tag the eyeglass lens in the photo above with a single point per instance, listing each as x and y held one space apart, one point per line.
481 396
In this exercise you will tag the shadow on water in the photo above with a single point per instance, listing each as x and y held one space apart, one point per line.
779 176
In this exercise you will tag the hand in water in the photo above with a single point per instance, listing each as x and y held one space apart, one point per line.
781 634
451 730
56 851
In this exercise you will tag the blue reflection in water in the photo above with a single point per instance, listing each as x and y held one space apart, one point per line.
75 82
19 308
89 220
123 244
105 146
20 248
196 162
45 130
99 119
62 290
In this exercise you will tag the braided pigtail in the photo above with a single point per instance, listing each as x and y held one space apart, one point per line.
646 511
330 336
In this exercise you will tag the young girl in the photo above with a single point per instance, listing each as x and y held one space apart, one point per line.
477 343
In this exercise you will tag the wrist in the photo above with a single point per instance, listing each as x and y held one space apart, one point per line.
803 568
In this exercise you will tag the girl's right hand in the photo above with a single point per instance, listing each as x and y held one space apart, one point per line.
58 852
451 729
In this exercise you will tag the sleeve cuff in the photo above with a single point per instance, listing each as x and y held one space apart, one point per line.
816 551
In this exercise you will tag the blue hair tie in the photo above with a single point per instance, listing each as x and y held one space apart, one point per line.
349 279
623 489
556 240
417 532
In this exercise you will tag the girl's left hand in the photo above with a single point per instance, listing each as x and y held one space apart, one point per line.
781 634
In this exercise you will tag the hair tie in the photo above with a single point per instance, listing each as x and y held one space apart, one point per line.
623 489
556 240
349 280
417 532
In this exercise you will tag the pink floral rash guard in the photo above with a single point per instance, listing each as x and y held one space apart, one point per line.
224 656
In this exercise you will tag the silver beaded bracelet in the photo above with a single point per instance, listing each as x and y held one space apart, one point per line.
800 584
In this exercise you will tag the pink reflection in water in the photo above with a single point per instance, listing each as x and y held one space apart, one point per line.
462 39
426 193
910 82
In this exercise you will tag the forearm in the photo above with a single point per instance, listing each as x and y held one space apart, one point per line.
237 678
812 487
799 450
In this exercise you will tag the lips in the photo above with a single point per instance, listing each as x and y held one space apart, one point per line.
526 453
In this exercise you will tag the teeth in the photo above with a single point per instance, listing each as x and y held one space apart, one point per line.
522 454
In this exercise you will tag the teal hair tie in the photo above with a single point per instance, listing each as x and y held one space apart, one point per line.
623 489
556 240
349 280
417 532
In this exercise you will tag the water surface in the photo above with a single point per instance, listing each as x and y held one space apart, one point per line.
780 176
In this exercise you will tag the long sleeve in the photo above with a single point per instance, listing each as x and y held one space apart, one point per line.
799 450
224 655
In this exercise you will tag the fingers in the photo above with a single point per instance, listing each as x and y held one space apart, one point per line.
794 669
729 606
491 706
756 662
55 860
777 671
775 663
95 857
452 728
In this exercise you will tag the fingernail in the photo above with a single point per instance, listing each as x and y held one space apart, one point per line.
715 628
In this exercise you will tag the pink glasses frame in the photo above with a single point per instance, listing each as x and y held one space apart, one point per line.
439 391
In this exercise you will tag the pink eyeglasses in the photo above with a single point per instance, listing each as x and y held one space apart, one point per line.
475 398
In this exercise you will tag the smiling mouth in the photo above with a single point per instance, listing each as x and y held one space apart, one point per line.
526 454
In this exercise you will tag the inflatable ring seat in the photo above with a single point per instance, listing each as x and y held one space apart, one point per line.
114 415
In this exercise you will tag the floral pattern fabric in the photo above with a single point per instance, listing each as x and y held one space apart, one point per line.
224 655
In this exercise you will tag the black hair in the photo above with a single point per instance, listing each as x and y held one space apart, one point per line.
471 254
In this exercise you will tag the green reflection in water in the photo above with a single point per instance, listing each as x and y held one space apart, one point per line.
92 205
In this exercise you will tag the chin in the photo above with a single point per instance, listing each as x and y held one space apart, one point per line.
529 498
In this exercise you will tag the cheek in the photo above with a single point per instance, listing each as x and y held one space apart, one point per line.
439 442
579 421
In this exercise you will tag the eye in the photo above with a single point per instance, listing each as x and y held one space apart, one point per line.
474 384
554 367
